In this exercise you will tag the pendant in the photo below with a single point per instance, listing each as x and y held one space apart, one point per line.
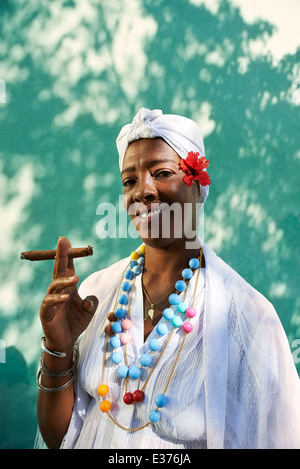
150 312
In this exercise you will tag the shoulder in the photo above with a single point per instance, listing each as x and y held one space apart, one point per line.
242 312
236 289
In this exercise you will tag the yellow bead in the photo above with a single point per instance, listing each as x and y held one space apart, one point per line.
105 406
135 255
142 249
102 390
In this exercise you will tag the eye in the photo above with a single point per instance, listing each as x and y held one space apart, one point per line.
128 182
164 173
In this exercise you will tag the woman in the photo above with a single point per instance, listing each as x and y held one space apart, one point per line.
207 365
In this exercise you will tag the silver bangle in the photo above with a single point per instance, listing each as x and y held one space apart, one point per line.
51 352
52 390
44 370
55 374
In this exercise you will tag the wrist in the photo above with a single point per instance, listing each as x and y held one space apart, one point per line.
57 369
54 350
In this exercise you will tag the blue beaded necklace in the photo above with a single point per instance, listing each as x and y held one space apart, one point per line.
120 325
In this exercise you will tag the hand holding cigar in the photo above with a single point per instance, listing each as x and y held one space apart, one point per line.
64 313
51 254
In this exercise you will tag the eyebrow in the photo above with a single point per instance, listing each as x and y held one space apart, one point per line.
150 165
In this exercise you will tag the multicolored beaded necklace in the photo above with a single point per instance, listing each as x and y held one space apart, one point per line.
117 335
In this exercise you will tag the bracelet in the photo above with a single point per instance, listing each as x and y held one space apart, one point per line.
51 352
54 374
44 370
52 390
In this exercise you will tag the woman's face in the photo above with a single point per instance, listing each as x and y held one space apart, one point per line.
161 206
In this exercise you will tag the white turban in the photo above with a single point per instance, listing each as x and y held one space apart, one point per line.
181 133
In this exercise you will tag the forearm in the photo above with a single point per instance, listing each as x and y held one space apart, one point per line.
64 317
54 409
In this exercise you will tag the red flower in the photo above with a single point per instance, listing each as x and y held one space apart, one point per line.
194 167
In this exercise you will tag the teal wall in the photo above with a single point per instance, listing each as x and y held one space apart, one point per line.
75 72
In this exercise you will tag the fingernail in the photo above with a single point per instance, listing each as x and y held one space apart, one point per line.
88 304
91 304
72 278
64 296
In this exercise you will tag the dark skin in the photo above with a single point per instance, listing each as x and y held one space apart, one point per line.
150 176
64 316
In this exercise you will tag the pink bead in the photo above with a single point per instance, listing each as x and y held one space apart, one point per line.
126 324
187 327
191 312
125 338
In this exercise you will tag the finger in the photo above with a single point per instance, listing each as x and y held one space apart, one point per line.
61 283
70 265
61 259
90 304
55 299
48 310
71 268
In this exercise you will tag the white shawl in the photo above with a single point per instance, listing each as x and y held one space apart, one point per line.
249 386
252 386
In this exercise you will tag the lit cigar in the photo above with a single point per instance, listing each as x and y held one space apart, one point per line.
50 254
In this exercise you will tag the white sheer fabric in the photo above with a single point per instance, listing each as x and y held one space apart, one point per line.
235 385
182 423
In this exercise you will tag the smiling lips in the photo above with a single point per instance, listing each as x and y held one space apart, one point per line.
149 214
162 219
147 211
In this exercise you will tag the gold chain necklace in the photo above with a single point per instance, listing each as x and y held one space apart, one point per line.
150 309
157 360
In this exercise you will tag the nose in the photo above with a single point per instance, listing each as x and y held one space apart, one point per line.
145 190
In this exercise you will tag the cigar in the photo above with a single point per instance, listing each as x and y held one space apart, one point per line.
50 254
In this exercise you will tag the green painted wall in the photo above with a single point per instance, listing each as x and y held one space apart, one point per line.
74 73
